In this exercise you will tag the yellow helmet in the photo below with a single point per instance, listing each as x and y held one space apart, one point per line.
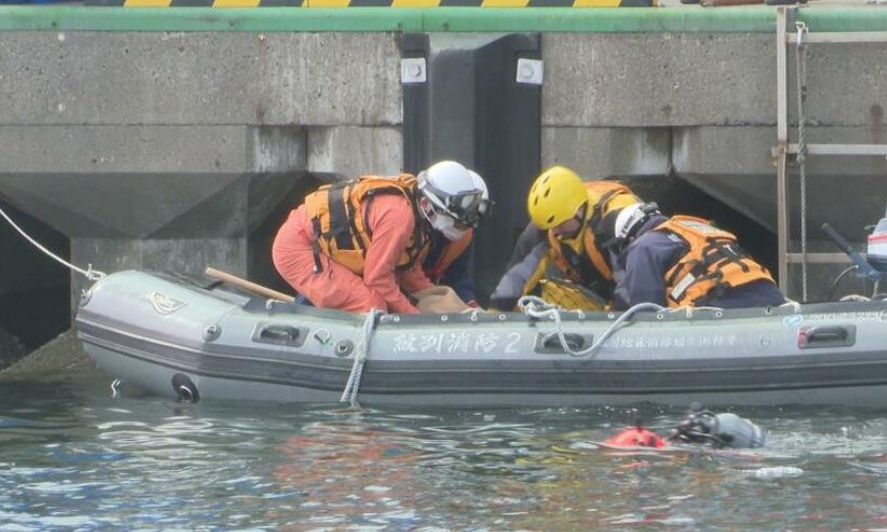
555 197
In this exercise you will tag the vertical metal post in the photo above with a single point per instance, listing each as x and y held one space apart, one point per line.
782 226
477 99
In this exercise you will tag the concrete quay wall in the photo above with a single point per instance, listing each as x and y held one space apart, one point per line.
176 139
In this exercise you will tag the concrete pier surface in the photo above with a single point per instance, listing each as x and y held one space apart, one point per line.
60 357
11 349
174 139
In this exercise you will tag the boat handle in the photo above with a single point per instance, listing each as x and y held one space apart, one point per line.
550 343
826 336
279 334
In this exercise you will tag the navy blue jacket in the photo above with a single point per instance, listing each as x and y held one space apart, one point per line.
529 238
457 276
642 265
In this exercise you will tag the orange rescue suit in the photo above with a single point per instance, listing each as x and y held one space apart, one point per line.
339 223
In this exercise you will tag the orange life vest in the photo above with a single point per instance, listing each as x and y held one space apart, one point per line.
714 261
338 217
583 259
450 252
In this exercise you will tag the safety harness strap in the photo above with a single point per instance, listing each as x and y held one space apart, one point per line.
339 218
315 245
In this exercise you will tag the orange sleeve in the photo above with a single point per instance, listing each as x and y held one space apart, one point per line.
390 218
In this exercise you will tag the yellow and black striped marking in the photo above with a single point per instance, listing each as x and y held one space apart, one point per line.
374 3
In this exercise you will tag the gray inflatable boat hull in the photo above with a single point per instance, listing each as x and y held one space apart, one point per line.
159 333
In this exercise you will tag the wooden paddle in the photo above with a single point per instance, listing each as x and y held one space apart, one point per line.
249 286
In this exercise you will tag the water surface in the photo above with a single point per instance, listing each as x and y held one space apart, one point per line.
72 457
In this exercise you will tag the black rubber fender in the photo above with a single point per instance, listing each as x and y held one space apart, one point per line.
185 388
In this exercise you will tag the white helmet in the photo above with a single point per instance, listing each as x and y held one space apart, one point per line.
630 218
485 208
455 191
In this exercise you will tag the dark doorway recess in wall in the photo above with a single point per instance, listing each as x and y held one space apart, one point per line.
35 303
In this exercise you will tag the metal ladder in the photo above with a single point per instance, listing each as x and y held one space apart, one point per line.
783 148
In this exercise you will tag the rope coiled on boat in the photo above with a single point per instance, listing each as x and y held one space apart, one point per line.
352 387
536 307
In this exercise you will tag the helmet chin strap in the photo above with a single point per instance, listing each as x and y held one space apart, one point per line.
452 233
424 207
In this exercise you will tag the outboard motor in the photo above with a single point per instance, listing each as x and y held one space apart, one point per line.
876 253
874 264
720 430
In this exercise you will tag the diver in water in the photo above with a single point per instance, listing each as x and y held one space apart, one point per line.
701 426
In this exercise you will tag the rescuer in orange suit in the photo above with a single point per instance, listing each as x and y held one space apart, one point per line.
357 245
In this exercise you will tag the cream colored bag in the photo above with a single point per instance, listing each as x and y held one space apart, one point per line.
439 300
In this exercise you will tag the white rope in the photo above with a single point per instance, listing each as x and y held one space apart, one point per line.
536 307
473 313
89 273
349 395
793 304
801 78
689 311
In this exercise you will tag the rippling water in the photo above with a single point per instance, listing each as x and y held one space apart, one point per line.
74 458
